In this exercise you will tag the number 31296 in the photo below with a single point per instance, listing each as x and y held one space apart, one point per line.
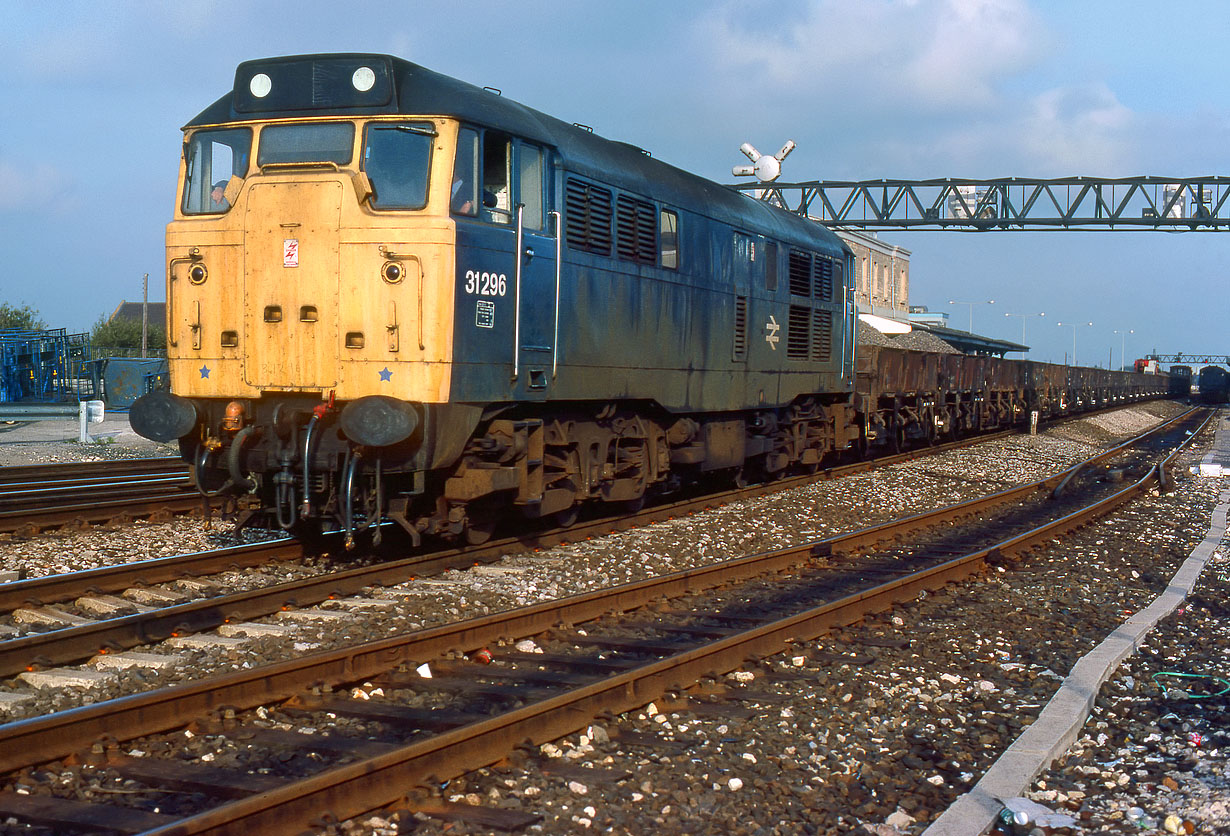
486 284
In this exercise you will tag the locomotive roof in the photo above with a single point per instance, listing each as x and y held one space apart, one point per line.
326 84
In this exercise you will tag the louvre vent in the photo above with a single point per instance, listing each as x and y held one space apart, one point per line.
740 350
636 230
588 219
798 333
824 279
822 336
800 273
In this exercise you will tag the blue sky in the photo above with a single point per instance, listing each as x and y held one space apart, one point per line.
94 94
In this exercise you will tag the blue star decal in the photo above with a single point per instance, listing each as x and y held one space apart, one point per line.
204 372
385 374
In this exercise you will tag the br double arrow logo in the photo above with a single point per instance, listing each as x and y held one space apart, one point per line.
770 333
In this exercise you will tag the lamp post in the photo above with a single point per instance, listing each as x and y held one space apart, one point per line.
1024 316
971 308
1074 325
1123 345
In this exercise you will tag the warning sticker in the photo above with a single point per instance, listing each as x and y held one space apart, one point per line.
290 252
484 314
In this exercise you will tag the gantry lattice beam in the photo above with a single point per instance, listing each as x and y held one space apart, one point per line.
1089 203
1203 359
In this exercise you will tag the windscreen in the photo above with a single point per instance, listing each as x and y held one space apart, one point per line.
397 160
213 157
319 142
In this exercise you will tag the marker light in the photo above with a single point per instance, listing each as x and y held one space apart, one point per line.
391 272
197 274
260 85
363 79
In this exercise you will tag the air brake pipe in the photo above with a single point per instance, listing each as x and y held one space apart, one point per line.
233 456
305 510
200 468
348 496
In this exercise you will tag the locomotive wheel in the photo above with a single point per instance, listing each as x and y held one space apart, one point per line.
567 518
633 506
477 533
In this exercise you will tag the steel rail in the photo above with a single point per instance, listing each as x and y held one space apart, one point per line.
90 471
180 500
53 588
31 741
371 783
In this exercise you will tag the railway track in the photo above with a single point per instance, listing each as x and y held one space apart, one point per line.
632 649
76 635
39 497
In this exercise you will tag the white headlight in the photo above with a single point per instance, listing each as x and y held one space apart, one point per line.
363 79
260 85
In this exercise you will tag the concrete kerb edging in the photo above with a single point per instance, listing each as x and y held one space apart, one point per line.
1060 722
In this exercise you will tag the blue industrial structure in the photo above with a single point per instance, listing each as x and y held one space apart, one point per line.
121 380
41 365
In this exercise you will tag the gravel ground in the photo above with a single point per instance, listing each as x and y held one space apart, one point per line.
856 734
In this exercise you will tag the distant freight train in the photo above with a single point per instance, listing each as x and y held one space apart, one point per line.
394 296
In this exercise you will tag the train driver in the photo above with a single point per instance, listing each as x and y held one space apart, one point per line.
217 197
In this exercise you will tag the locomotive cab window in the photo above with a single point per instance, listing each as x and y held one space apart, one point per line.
397 159
213 157
318 142
770 266
530 184
497 168
668 239
493 172
464 199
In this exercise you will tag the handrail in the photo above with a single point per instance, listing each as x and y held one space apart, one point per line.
559 263
518 256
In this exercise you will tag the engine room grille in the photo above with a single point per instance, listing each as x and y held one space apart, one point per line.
800 273
822 336
798 333
740 349
824 279
636 230
588 219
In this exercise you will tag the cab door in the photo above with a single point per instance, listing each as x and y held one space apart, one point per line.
504 345
535 356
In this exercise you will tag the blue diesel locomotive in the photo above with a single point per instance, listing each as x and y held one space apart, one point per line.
396 296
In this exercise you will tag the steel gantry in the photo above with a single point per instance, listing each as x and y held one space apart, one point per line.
1157 203
1205 359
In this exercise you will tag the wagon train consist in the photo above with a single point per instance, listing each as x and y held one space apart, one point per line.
394 296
